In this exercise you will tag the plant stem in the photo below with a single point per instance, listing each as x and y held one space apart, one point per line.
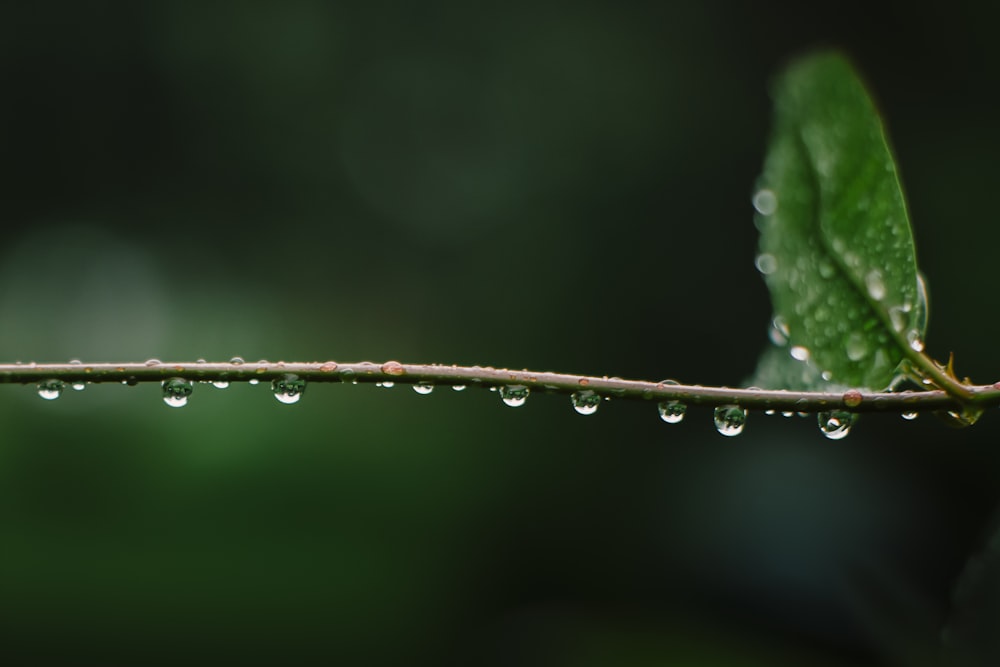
561 383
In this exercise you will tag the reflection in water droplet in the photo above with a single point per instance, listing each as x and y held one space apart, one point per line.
910 416
671 412
176 392
730 419
765 201
514 395
875 285
79 386
221 384
288 388
458 387
386 384
766 263
913 338
253 381
236 361
50 390
799 353
836 425
585 402
423 388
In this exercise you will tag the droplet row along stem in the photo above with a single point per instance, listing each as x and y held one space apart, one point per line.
545 382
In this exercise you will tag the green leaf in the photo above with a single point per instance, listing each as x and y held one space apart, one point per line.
836 249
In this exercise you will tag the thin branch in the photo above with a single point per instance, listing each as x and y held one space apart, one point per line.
852 400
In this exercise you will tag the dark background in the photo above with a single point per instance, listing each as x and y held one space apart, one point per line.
558 186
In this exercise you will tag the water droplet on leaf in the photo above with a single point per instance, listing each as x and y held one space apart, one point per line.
910 416
836 425
288 388
236 361
766 263
50 390
220 384
730 419
765 201
458 387
176 392
514 395
875 285
423 388
799 353
855 346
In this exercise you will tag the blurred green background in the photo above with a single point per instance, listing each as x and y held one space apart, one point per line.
558 186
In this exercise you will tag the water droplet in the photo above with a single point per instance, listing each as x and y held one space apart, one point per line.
386 384
458 387
514 395
347 375
50 389
875 285
765 201
176 392
79 386
787 414
852 398
916 343
799 353
253 381
393 368
153 362
221 384
910 416
288 388
826 375
328 367
766 263
671 412
855 346
585 402
779 331
836 425
236 361
423 388
730 419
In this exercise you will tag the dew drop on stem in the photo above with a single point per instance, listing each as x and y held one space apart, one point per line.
288 388
585 402
514 395
837 424
176 392
730 419
423 388
672 412
50 390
